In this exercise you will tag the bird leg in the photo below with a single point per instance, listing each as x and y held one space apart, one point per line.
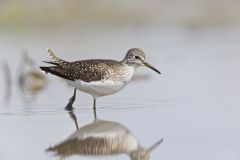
69 106
94 108
74 118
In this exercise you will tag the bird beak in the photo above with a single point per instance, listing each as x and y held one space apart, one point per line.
151 67
155 145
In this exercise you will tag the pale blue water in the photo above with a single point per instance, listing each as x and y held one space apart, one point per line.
193 105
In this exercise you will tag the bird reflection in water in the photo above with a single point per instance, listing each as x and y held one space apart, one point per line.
102 138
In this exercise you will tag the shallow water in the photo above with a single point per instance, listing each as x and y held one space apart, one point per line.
193 105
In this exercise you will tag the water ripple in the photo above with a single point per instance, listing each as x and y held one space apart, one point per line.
58 109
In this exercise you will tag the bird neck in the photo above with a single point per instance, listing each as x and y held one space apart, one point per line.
129 64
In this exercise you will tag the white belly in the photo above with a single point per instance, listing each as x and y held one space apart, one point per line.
98 88
106 87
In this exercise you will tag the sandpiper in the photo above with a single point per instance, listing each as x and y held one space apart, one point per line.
98 77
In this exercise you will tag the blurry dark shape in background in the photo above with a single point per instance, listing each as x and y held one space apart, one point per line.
8 82
102 138
30 80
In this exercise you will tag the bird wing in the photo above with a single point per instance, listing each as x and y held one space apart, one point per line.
85 70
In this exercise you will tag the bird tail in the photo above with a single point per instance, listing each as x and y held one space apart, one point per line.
59 68
54 58
58 71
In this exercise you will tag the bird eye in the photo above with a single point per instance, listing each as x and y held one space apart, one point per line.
137 57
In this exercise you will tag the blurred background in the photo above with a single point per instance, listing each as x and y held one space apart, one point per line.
27 14
87 27
194 43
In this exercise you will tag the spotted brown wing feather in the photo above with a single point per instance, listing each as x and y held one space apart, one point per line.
93 70
86 70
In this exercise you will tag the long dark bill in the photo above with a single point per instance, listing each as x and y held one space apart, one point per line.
151 67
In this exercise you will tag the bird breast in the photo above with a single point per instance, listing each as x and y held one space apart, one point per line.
122 74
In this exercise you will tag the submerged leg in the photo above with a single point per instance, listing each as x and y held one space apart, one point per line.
94 108
69 106
74 118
